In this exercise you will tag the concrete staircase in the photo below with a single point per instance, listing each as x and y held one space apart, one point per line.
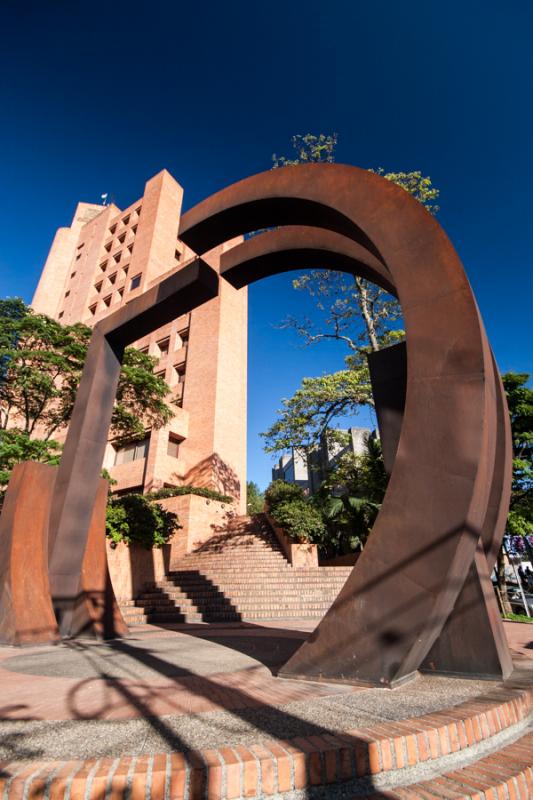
240 574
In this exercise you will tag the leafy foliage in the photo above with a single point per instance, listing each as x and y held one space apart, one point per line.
293 512
520 403
136 519
417 185
300 520
309 148
178 491
255 499
282 492
41 362
308 413
16 446
350 499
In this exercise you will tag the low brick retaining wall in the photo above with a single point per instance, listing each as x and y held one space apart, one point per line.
273 767
298 554
132 567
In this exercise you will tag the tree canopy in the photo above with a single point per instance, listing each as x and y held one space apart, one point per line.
41 362
520 403
349 309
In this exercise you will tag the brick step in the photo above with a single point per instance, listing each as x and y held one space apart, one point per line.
222 603
200 587
246 575
259 597
225 561
415 759
245 580
182 597
241 608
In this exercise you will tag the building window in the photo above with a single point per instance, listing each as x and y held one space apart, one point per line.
103 266
160 374
126 268
144 350
126 219
122 238
120 294
60 315
78 257
177 255
107 300
135 282
134 229
132 451
117 257
138 211
130 248
98 286
179 373
163 345
80 246
72 274
112 229
67 293
113 277
92 309
108 246
184 337
173 445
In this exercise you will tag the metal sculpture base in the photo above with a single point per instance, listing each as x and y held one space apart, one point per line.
26 612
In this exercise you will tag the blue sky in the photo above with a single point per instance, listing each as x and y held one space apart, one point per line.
99 97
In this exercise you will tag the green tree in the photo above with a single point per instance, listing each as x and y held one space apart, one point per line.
255 499
137 519
350 498
41 362
520 403
350 310
520 519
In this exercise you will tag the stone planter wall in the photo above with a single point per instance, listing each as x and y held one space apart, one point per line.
130 568
300 555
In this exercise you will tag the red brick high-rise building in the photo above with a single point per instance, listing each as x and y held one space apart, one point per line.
104 259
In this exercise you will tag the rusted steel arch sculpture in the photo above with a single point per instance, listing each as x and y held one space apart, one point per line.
420 595
408 596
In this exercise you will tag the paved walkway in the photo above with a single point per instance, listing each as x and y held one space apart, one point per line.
189 670
202 703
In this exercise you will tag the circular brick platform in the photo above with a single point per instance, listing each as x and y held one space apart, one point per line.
480 748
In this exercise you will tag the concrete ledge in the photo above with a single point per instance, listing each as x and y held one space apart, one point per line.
363 756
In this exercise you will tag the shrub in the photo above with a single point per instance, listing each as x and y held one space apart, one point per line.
300 520
177 491
282 492
136 519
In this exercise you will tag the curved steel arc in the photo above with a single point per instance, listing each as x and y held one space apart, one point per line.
297 246
404 587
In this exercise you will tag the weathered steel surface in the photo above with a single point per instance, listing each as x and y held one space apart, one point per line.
388 375
26 611
445 506
81 462
405 585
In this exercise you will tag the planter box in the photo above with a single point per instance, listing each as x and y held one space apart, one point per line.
130 568
300 555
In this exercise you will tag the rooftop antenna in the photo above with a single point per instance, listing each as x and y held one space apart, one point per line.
104 198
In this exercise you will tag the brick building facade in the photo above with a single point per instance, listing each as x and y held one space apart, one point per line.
104 259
